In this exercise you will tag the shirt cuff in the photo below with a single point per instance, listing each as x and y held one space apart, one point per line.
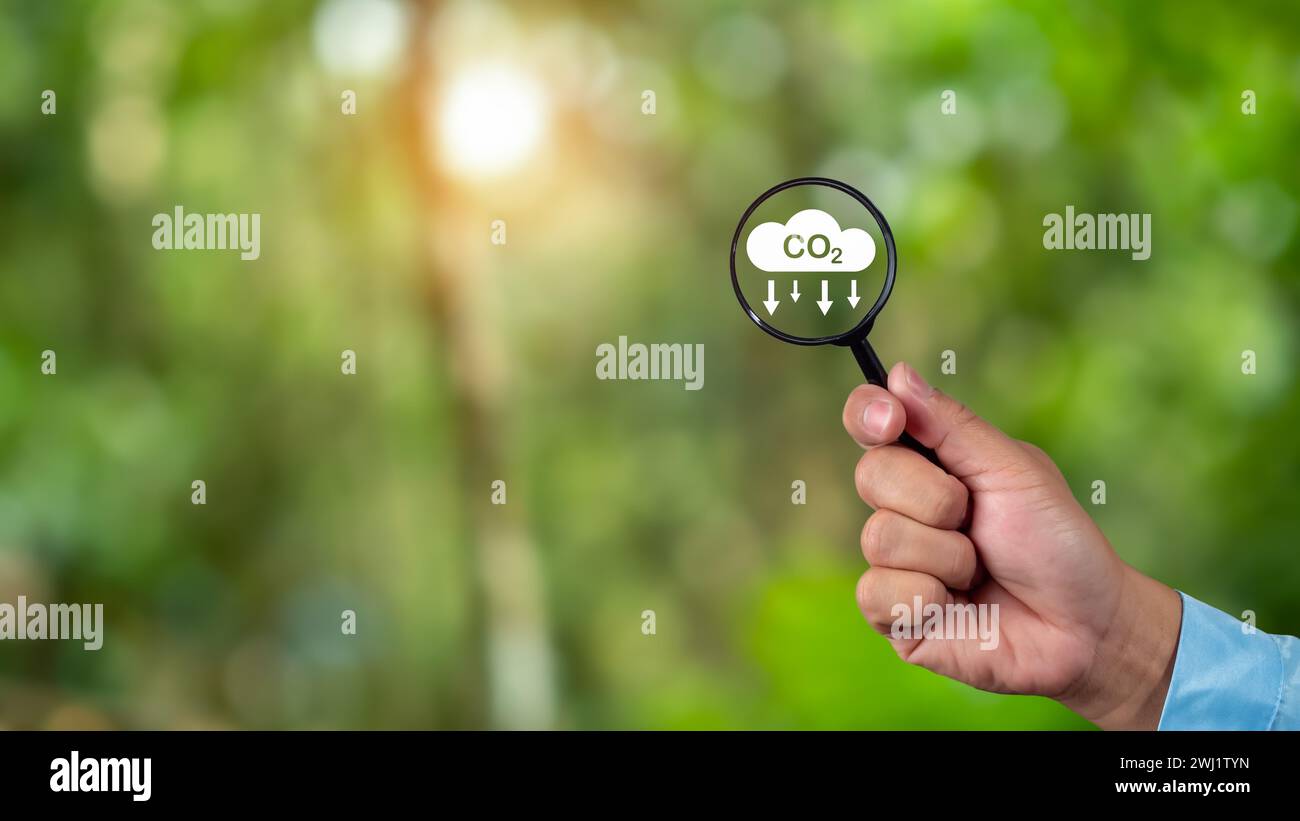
1227 674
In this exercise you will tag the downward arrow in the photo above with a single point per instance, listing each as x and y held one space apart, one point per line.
853 295
794 292
771 302
824 303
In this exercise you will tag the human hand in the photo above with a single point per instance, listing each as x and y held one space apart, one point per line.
1001 527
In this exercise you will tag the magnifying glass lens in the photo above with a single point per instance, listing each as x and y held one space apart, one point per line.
811 262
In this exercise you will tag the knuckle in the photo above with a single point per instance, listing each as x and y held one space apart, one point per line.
867 474
961 415
947 504
963 565
1034 450
1041 457
866 584
935 592
878 542
953 502
871 591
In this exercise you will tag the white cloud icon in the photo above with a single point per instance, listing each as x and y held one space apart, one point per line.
811 240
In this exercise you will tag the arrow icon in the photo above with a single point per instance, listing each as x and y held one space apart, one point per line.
824 303
794 292
771 302
853 295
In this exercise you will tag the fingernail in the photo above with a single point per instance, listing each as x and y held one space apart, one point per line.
918 385
875 419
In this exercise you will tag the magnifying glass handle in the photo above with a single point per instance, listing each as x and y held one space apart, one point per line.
876 375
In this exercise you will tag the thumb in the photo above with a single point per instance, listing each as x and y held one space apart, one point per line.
966 444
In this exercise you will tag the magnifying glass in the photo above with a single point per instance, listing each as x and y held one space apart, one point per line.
817 264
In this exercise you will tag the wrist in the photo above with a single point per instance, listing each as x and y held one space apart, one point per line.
1125 686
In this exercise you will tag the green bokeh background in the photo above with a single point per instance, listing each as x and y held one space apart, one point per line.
476 361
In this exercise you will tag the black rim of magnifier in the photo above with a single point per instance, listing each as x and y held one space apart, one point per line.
863 327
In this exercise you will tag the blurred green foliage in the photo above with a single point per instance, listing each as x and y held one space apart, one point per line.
476 362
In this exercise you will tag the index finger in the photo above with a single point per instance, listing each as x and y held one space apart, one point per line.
873 416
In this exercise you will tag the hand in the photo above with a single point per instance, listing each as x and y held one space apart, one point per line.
1001 527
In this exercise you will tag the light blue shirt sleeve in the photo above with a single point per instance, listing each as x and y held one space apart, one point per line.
1231 677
